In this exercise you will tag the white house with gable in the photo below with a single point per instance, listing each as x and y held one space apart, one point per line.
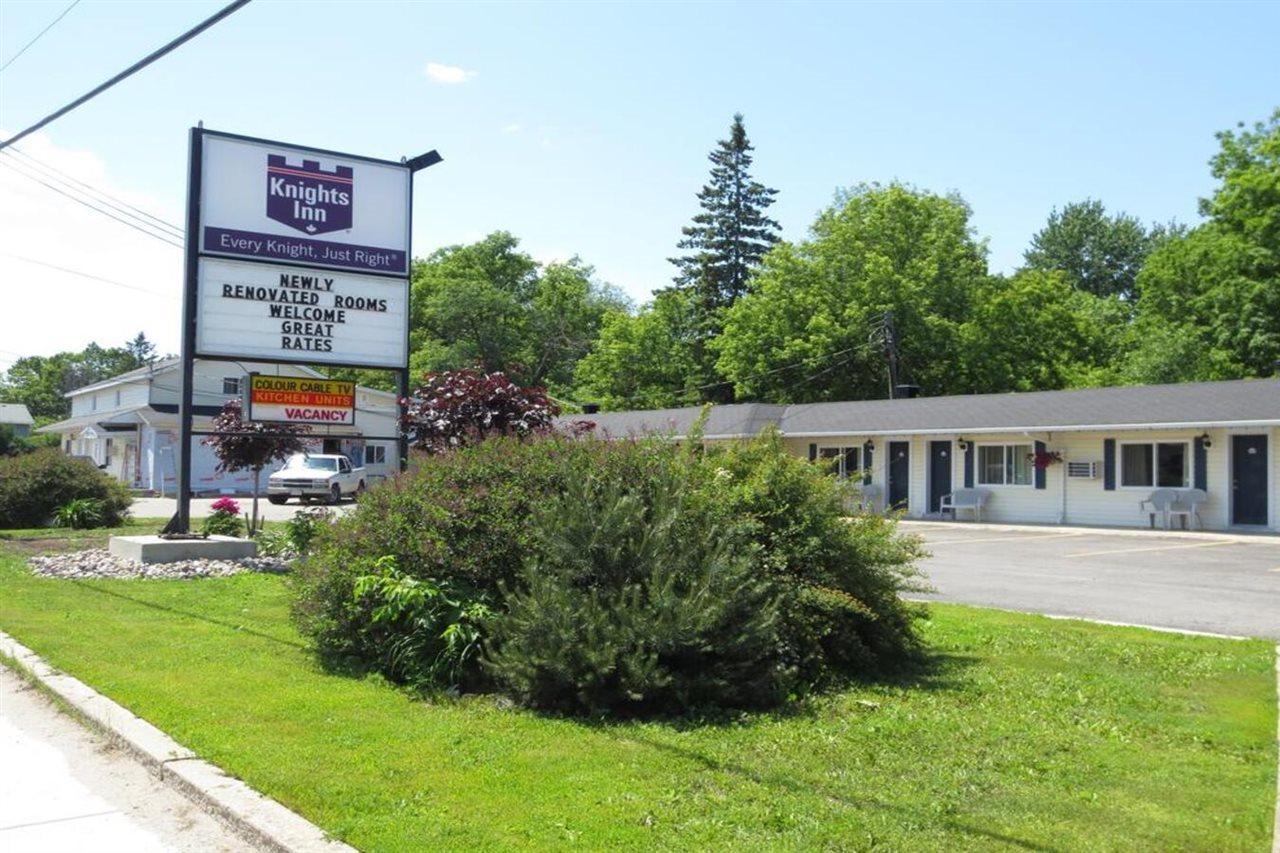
128 425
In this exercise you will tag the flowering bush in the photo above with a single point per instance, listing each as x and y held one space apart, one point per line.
461 407
226 505
225 518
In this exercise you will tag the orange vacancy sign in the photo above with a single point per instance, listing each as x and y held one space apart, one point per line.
301 400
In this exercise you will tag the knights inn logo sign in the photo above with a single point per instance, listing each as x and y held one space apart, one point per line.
272 202
307 197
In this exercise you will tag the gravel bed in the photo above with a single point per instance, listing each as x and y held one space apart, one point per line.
99 563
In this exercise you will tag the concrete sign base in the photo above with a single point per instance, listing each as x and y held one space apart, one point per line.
153 549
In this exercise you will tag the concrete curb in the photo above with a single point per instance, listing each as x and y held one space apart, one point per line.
1141 532
256 818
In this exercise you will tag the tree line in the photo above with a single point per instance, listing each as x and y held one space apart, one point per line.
1100 299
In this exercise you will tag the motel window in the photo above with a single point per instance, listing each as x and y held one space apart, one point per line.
844 462
1160 464
231 385
375 454
1004 465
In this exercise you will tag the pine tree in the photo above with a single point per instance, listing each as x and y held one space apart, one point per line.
727 239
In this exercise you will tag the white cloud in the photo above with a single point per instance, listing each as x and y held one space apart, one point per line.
47 310
514 127
449 75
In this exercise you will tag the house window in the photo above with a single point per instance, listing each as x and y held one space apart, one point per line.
375 454
1161 464
117 398
231 385
844 462
1004 465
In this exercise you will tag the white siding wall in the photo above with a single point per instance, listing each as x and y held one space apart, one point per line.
1083 501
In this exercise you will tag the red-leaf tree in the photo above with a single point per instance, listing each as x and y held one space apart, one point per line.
242 445
460 407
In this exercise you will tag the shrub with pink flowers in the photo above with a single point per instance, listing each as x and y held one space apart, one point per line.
226 505
224 520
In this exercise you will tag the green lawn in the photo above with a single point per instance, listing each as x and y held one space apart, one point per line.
1029 733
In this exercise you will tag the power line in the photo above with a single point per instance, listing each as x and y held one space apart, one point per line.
66 179
131 70
110 201
89 276
39 34
165 238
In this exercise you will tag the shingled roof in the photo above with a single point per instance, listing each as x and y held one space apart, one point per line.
1248 402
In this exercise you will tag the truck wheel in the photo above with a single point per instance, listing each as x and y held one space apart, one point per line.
359 490
335 494
278 500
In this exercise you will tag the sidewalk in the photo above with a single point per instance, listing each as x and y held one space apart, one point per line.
63 788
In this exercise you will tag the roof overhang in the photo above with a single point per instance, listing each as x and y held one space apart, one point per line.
1026 429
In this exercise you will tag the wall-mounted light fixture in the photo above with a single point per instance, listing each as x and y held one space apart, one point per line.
1205 442
962 443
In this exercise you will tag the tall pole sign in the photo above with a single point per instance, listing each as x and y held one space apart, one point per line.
294 255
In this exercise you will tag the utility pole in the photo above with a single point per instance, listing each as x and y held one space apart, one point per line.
885 333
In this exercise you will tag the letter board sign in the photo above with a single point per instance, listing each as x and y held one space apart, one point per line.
270 312
301 400
272 202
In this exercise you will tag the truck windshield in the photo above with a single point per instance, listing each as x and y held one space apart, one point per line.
312 463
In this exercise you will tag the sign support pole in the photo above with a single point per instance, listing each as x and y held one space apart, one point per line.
402 403
182 520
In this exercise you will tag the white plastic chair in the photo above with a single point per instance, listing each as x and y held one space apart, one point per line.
1187 506
1161 502
970 499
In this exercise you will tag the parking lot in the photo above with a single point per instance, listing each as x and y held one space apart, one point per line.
1218 584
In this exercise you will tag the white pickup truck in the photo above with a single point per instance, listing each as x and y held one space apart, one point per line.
316 476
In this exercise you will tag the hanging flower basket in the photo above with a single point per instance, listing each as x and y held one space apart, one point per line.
1045 458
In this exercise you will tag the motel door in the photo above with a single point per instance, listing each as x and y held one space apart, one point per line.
899 474
939 473
1248 479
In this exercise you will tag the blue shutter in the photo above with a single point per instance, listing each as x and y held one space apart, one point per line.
968 466
1201 465
1039 472
1109 464
813 452
866 463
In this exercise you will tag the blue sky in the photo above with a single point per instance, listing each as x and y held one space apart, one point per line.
583 128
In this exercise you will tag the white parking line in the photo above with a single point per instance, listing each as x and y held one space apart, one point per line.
1153 548
1003 539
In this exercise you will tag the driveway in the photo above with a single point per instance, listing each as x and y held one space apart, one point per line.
1196 582
200 507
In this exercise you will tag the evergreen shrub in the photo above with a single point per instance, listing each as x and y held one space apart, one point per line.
631 576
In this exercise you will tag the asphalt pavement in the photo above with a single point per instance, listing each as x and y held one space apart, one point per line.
200 507
1196 582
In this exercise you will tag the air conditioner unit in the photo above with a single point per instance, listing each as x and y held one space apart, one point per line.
1084 470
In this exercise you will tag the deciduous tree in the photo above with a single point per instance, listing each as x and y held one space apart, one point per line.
241 445
802 334
1099 253
461 407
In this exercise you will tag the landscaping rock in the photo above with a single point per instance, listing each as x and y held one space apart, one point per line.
98 563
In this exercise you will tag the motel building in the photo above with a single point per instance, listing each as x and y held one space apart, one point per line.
128 425
1104 451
